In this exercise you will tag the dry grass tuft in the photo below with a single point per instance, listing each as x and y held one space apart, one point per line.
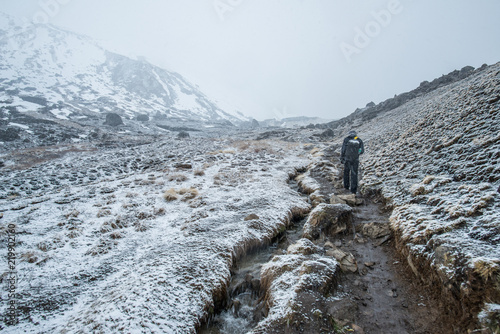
143 215
72 214
73 234
177 177
159 211
185 194
199 172
116 235
129 205
102 247
142 226
29 257
170 195
104 212
188 194
486 269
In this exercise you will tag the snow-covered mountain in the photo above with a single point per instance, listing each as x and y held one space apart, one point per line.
58 73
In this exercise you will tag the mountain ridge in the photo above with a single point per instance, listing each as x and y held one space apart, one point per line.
71 77
372 110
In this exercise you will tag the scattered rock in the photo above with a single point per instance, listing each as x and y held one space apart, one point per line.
328 133
328 244
357 329
334 199
375 230
392 293
346 260
349 199
183 134
327 219
303 246
113 119
143 118
343 311
10 134
383 241
183 165
251 216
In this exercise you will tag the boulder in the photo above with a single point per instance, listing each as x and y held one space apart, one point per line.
143 118
317 275
328 133
327 219
334 199
10 134
346 260
183 134
375 230
113 119
343 311
349 199
251 216
303 246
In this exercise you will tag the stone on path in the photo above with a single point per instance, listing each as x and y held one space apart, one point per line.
327 220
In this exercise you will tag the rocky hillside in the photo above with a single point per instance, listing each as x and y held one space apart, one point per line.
372 110
50 76
435 160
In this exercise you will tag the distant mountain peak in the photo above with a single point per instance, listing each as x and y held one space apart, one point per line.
72 78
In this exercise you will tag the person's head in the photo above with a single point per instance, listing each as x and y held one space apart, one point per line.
352 133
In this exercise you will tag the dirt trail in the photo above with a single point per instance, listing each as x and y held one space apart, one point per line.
387 296
381 296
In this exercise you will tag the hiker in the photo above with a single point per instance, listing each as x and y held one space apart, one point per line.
351 149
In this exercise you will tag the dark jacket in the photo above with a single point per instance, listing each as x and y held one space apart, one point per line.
345 156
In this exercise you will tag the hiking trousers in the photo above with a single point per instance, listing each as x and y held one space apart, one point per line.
351 176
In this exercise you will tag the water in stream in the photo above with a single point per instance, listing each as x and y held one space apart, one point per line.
245 307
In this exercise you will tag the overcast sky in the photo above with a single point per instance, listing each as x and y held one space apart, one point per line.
281 58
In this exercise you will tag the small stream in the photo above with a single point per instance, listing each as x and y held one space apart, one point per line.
245 305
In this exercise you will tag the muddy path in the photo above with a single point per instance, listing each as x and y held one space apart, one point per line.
389 298
377 294
386 295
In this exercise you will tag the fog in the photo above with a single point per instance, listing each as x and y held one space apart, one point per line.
282 58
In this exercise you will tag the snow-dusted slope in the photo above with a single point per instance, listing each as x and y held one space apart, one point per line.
436 161
43 68
100 249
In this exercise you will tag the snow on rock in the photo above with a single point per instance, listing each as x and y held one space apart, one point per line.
489 317
285 277
101 250
327 219
307 183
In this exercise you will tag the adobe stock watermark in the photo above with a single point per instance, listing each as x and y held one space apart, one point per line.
224 6
364 36
280 114
48 10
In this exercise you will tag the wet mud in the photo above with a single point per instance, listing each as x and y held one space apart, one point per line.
381 296
389 298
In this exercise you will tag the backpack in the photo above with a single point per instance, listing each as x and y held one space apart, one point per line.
352 149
